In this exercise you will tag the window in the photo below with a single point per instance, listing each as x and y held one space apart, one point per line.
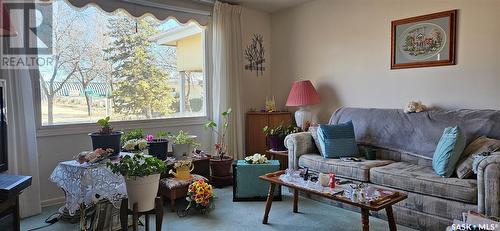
113 64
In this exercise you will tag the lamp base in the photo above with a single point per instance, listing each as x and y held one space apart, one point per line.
303 118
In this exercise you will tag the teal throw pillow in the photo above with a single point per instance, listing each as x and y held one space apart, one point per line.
448 151
337 140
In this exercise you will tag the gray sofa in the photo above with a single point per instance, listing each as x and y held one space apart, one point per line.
405 144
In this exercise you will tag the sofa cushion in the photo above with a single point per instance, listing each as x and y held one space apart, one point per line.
422 179
479 145
448 151
352 170
337 140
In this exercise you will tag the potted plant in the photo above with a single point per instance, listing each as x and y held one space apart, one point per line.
158 146
142 177
276 136
220 163
132 134
106 138
183 144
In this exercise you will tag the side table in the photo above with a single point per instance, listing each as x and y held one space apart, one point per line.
282 156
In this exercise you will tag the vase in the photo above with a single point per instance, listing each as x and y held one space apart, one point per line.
181 151
277 142
158 148
221 167
143 191
104 141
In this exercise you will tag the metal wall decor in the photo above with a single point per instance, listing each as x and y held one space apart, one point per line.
254 54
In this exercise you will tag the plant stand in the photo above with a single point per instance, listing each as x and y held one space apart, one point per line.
124 212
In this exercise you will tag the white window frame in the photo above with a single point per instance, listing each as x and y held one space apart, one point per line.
84 128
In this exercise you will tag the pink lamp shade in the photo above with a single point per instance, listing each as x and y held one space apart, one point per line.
302 93
6 28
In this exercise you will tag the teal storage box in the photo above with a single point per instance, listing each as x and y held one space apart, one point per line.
246 183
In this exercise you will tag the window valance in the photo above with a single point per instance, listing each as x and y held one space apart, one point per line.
183 11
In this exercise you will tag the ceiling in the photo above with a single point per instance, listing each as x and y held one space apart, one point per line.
269 6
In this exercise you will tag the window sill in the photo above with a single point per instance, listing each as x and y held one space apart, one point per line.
75 129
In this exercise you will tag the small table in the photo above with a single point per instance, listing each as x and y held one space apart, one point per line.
386 204
282 156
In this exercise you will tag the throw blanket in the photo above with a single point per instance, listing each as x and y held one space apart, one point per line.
416 133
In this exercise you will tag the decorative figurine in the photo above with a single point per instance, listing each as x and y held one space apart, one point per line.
270 104
332 180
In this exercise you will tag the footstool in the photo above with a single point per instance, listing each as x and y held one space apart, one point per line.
173 188
246 183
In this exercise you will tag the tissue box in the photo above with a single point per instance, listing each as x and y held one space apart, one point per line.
246 183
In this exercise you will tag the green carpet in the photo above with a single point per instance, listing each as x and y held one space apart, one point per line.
244 216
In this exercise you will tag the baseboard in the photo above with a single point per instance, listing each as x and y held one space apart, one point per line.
53 201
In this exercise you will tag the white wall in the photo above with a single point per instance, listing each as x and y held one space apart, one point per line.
255 88
343 46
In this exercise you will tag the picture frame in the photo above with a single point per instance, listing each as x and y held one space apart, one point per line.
424 41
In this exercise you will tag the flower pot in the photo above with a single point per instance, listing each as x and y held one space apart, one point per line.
111 140
221 167
181 151
158 148
142 190
277 143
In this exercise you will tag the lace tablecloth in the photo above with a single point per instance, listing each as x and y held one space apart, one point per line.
86 183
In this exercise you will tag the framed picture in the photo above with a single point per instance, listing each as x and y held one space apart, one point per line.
424 41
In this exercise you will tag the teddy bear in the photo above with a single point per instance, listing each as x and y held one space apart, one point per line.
415 106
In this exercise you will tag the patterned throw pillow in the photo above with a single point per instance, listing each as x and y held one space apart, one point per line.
314 133
448 151
338 140
479 145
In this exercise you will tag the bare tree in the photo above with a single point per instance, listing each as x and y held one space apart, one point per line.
67 53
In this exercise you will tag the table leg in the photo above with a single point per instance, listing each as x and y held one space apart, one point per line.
83 221
172 200
147 222
159 213
295 200
124 215
135 217
268 202
390 218
365 218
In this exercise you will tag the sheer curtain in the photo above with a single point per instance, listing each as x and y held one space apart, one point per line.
227 72
22 144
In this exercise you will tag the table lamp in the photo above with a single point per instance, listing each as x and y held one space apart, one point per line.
302 94
6 28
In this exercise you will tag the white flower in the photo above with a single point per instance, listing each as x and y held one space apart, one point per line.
129 145
142 144
256 159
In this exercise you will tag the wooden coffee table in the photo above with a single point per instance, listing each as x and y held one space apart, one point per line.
385 203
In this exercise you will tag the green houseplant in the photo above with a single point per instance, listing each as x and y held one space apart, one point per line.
276 136
220 163
183 144
106 138
142 177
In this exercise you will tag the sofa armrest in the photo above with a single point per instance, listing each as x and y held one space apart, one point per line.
298 144
488 183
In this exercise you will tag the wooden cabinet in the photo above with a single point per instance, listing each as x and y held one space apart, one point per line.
255 121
